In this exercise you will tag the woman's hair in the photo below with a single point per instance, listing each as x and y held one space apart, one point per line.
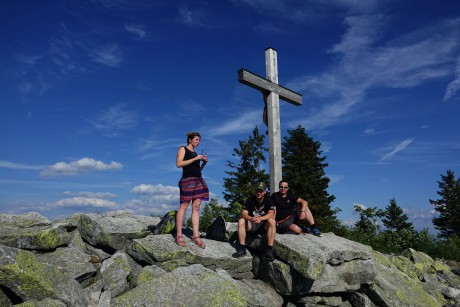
191 135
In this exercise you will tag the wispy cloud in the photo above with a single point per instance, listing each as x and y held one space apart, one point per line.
189 17
136 29
109 55
398 148
76 167
115 119
372 131
13 165
300 11
406 61
28 60
454 86
267 28
242 123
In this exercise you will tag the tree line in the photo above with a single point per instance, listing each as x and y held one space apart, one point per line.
304 167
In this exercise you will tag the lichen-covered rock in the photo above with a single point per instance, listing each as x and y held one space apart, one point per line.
258 293
117 262
30 279
161 248
47 302
46 237
117 273
309 255
112 230
25 220
72 262
148 273
282 277
189 286
4 300
394 289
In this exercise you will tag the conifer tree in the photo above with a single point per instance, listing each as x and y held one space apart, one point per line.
303 168
448 206
368 219
246 172
211 210
394 218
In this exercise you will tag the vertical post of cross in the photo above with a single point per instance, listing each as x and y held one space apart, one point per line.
273 111
272 93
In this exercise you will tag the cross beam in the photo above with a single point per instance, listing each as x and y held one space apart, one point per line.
266 86
272 92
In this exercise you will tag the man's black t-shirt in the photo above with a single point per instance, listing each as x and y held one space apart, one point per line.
256 209
285 206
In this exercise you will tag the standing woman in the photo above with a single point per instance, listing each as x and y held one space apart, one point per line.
192 187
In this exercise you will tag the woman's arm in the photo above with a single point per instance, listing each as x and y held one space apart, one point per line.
205 160
180 158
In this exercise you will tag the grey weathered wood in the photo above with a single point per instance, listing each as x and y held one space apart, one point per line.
273 112
272 93
265 86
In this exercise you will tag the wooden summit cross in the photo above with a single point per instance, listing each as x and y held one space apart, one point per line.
272 92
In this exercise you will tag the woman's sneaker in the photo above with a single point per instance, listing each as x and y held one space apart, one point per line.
314 230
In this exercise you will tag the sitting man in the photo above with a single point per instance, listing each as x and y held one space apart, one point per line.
258 212
286 208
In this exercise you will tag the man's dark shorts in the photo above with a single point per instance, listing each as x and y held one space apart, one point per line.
257 228
283 227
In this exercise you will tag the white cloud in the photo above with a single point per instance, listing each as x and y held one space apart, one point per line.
267 28
398 148
28 60
242 123
335 178
12 165
363 207
157 199
149 207
136 29
111 121
159 189
76 167
301 11
189 17
454 86
404 62
85 202
109 55
91 194
25 87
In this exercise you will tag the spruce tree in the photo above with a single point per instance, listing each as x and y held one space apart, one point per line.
394 218
211 210
303 168
368 219
448 206
246 172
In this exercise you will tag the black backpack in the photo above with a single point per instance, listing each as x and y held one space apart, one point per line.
166 224
217 230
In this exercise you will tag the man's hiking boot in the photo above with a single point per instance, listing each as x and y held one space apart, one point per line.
269 255
305 229
241 252
316 231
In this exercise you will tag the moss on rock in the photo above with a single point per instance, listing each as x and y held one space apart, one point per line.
30 277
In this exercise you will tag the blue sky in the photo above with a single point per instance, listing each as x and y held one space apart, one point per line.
96 97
